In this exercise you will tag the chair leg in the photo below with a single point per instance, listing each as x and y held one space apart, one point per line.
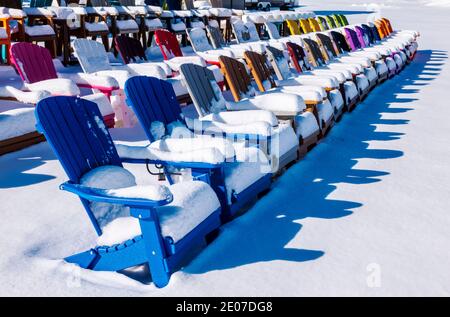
51 46
154 246
105 41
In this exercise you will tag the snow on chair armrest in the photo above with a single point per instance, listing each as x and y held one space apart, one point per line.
159 196
38 12
196 158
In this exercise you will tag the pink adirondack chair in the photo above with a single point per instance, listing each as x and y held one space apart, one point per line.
36 68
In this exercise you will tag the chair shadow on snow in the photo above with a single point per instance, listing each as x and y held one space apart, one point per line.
14 174
305 189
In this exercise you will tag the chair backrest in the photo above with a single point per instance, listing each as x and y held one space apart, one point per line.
315 55
91 55
215 36
237 77
362 37
33 62
375 32
368 33
327 45
203 89
130 49
344 20
75 130
304 24
340 41
331 22
279 63
241 32
352 39
272 30
380 28
388 25
323 23
199 39
254 36
293 27
337 20
153 100
168 44
298 57
260 70
314 25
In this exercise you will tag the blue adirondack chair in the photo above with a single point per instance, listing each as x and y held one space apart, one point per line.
82 143
153 99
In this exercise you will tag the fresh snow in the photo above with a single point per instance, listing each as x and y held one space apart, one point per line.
365 213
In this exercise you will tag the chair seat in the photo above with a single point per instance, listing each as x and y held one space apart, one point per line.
39 30
96 27
193 202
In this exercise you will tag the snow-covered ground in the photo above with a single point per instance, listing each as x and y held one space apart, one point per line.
366 213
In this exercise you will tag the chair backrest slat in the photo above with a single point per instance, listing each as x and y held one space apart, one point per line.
76 132
33 62
152 99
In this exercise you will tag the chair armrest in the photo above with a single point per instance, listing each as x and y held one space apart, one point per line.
101 195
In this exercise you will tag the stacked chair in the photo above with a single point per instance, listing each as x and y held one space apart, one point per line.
260 102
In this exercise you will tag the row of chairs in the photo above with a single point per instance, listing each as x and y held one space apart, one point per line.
232 149
105 19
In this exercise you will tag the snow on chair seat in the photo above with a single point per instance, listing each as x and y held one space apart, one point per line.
108 193
238 180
